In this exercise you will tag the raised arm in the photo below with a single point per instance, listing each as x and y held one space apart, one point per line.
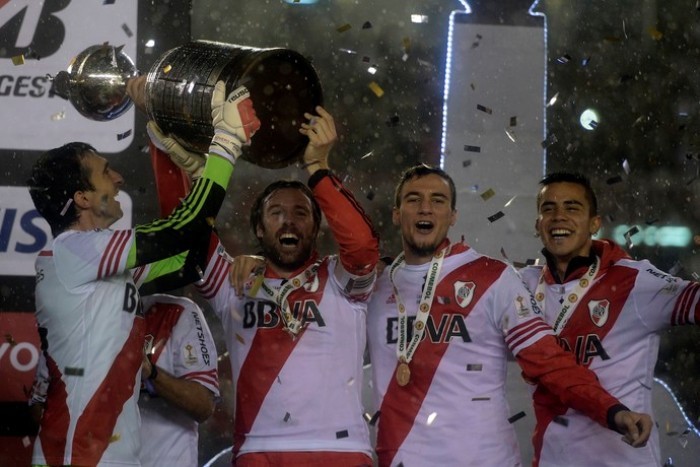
352 229
234 123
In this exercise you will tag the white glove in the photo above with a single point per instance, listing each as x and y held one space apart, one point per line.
190 162
234 121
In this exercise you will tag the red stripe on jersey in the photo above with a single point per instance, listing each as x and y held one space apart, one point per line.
262 364
215 278
137 274
684 305
110 257
400 405
56 418
524 331
615 287
95 426
161 318
209 377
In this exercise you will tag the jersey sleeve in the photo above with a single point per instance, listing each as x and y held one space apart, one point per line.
195 351
82 257
214 285
192 219
542 360
662 300
358 242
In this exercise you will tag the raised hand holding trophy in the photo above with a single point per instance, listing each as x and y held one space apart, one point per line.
178 89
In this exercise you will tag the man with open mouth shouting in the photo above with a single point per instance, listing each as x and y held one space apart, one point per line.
441 323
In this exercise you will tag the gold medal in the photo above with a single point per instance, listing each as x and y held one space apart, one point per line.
403 374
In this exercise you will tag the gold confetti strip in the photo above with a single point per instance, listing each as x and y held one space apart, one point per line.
115 437
167 68
376 89
406 41
655 33
488 194
10 340
18 60
343 28
240 339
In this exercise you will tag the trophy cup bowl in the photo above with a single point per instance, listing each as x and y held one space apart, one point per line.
283 86
95 82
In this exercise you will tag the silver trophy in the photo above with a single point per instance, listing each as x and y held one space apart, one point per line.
179 86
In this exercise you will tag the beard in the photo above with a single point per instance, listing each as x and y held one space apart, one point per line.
425 249
286 261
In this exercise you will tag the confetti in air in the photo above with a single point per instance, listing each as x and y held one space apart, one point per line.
343 28
488 194
431 418
516 417
629 234
469 148
18 60
367 25
496 216
626 166
127 30
484 109
376 89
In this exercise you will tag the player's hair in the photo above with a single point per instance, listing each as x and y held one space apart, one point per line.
256 212
571 177
56 176
421 170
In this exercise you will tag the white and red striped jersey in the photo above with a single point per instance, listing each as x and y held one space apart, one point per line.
454 411
89 306
301 394
613 330
183 346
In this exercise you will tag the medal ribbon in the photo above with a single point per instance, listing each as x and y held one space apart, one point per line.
405 352
568 307
291 324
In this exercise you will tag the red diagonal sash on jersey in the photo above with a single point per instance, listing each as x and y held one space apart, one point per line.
615 287
96 424
55 420
400 405
161 318
268 353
